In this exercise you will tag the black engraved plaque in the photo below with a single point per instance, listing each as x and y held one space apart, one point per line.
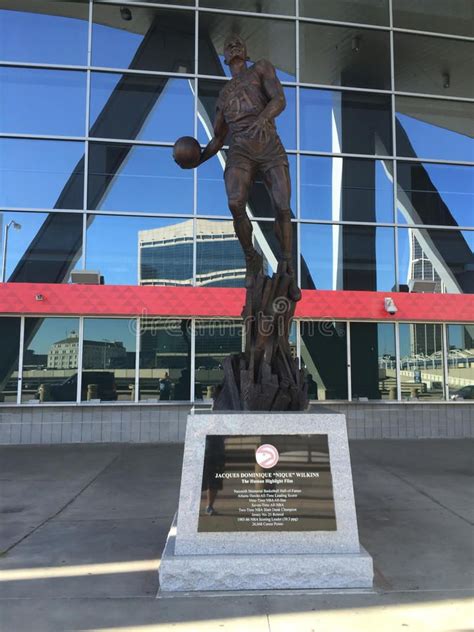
267 483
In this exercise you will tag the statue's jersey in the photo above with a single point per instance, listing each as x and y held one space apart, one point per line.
241 101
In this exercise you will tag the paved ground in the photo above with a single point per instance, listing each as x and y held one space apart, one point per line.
82 529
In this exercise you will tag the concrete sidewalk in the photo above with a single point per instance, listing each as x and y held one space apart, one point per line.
82 529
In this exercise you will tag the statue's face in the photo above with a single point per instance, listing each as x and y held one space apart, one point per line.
234 48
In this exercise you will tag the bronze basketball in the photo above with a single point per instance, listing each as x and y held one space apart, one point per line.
187 152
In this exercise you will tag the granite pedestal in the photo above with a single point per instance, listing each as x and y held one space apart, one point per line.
200 555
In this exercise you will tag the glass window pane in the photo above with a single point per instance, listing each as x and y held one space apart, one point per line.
373 361
41 173
349 122
346 189
165 359
141 107
421 361
274 40
212 197
436 260
345 56
138 178
50 359
279 7
435 194
461 362
362 11
208 93
348 257
215 340
140 250
59 99
10 344
437 129
186 3
211 193
220 260
108 359
149 39
437 16
324 354
45 248
266 242
433 65
48 33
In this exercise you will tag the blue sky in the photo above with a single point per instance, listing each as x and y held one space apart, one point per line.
33 173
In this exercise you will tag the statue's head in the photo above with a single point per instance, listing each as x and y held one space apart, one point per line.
234 48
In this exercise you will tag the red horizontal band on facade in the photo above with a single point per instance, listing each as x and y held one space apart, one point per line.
129 300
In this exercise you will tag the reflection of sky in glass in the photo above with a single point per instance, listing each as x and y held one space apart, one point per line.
317 188
49 39
456 335
318 252
34 172
19 240
111 330
433 141
405 338
455 185
59 99
50 331
386 339
113 48
170 117
148 180
112 246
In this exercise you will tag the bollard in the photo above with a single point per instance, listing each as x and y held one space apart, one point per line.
92 392
414 392
44 393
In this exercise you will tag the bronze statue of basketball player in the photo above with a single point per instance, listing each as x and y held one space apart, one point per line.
247 107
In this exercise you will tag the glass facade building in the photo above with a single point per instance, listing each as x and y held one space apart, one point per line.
378 130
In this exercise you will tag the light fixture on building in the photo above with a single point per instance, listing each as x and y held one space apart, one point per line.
16 226
126 14
389 305
356 43
446 80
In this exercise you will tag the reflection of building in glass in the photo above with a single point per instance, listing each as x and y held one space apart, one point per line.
96 353
424 338
166 255
421 267
64 353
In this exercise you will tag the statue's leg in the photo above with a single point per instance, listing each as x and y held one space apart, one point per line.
237 183
278 183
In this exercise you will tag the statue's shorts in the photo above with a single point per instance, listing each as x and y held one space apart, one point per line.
252 155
